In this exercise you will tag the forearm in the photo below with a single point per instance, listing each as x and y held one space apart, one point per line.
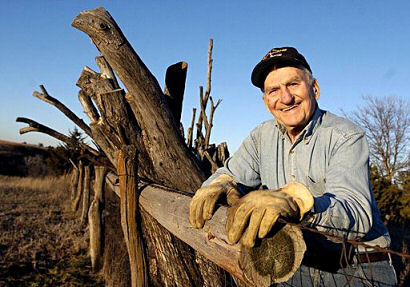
345 207
342 217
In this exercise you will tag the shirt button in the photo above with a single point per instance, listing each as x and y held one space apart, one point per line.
292 176
292 151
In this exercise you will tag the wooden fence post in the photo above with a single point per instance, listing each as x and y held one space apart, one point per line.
77 197
95 219
130 218
86 195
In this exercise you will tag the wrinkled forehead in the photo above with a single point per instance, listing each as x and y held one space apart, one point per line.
284 75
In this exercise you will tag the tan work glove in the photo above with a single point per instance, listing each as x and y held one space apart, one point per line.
202 204
259 210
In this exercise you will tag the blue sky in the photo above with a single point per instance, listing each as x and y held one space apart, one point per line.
354 48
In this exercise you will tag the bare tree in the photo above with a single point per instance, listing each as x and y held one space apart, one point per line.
386 122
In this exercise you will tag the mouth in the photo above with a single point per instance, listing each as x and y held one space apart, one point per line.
289 108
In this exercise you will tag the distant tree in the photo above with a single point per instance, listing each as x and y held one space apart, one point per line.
36 166
73 148
59 161
404 184
386 122
387 195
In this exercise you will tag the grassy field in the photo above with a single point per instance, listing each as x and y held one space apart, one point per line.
43 244
41 241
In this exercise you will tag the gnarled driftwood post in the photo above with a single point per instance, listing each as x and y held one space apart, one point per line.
162 154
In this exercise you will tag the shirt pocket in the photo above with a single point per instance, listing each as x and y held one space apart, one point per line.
316 186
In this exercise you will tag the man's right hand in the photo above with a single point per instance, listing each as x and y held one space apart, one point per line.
202 204
255 213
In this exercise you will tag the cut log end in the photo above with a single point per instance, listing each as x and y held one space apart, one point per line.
276 259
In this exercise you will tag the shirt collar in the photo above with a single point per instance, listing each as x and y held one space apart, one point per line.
313 124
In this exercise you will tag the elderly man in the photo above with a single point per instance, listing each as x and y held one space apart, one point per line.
307 165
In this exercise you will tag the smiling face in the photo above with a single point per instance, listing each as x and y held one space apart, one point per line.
290 95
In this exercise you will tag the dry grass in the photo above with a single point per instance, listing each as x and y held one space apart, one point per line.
41 242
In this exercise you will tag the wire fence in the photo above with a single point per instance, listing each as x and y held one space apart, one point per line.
350 262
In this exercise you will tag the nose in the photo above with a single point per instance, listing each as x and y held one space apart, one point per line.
286 97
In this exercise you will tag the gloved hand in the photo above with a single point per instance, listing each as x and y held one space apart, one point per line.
259 210
202 204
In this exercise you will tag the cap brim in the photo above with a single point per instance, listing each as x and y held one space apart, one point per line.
261 70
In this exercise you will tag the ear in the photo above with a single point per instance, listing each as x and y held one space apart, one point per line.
316 88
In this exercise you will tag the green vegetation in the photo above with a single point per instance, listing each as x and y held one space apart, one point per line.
59 160
393 199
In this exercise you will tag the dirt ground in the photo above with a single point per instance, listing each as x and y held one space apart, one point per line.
41 241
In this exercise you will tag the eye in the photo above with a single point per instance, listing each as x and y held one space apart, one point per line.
293 84
272 91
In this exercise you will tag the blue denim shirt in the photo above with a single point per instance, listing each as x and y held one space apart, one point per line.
331 157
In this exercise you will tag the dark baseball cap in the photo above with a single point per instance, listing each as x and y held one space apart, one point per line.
285 56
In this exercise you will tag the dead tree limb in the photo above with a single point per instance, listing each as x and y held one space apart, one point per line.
201 118
209 73
204 98
37 127
44 96
160 133
191 129
130 218
106 71
209 123
223 153
88 106
161 147
116 121
212 161
175 78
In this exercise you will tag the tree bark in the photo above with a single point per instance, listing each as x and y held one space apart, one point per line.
74 182
77 198
95 219
162 154
86 195
130 218
117 123
165 147
88 107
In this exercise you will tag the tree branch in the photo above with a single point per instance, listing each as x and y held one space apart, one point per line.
37 127
44 96
190 129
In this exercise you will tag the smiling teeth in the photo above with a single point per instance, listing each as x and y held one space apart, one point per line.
285 110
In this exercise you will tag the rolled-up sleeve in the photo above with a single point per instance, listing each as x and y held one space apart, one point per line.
345 209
